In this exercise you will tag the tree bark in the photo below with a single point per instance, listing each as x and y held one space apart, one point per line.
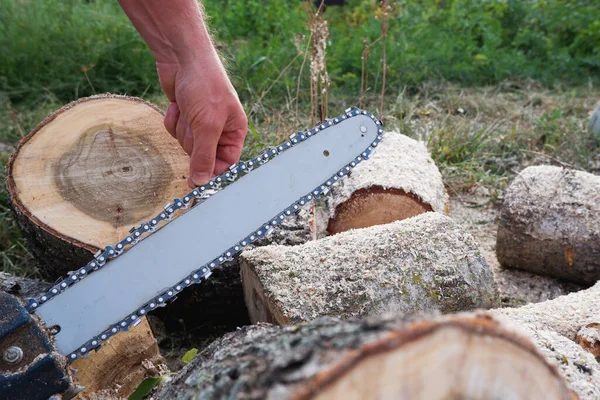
88 173
399 181
376 358
550 224
425 263
77 183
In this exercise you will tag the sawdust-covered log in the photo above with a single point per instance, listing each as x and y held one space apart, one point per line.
77 183
377 358
550 224
399 181
563 331
424 263
88 173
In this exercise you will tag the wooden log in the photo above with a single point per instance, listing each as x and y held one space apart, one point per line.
78 182
399 181
459 357
550 224
88 173
425 263
554 326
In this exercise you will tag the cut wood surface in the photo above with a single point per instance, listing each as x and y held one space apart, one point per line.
88 173
460 357
79 182
424 263
550 224
399 181
121 364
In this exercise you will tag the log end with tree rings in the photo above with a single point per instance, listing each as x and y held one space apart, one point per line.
88 173
398 182
458 357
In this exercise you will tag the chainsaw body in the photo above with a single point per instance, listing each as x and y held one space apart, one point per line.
30 366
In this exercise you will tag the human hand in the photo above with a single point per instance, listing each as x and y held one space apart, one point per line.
205 115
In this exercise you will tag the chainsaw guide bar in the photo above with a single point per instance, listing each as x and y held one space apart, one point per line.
160 258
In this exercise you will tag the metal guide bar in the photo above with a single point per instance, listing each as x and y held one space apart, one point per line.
200 194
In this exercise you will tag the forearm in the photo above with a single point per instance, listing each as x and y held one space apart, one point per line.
174 30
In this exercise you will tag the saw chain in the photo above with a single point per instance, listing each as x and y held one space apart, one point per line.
195 198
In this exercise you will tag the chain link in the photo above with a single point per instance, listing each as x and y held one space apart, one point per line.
194 199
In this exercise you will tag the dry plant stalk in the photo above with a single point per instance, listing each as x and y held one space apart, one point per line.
385 12
319 79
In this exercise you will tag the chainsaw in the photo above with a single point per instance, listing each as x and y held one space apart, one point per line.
179 247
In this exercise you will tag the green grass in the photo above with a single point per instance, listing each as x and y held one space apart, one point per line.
71 48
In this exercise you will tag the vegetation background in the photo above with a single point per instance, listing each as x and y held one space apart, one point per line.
490 85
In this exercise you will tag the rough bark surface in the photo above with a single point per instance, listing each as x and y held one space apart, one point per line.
553 326
22 287
550 224
88 173
377 358
426 263
399 181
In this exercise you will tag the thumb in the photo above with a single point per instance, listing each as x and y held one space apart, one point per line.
204 153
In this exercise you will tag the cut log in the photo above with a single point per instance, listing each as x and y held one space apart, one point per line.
461 357
553 326
399 181
88 173
550 224
425 263
78 182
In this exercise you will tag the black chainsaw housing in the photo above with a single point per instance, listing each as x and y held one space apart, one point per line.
41 372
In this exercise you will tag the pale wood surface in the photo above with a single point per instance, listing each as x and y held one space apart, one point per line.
97 168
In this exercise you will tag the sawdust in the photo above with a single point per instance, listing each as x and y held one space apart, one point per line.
414 172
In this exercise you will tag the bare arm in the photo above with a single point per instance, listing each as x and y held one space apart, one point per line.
205 114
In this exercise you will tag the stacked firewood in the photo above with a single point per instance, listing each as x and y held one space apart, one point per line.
375 292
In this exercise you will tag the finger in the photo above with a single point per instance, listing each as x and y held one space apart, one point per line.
202 163
182 126
188 140
171 117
